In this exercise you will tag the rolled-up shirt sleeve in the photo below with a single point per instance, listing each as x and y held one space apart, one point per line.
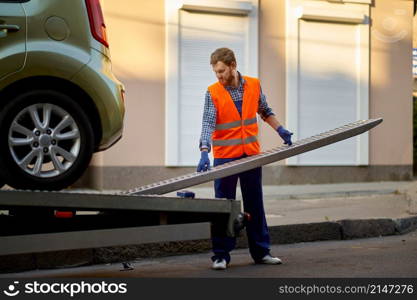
209 122
263 108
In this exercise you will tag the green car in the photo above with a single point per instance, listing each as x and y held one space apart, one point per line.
59 100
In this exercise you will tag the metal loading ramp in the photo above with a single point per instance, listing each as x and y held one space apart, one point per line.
247 163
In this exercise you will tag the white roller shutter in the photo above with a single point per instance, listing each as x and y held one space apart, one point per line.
200 31
327 76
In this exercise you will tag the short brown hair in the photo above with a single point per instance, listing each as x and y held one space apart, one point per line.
224 55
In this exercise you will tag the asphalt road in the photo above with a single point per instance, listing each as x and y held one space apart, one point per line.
390 257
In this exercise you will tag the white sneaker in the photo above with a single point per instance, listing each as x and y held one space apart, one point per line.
219 264
270 260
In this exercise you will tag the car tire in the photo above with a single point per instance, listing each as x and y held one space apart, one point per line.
46 141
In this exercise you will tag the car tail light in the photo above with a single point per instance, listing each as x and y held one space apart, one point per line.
64 214
97 26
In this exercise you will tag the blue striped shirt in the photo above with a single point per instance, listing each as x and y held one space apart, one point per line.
209 113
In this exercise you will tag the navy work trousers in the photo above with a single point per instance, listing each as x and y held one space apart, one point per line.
256 228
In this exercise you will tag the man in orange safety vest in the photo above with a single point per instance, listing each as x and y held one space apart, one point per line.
230 129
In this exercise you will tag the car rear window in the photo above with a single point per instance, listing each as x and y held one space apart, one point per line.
14 1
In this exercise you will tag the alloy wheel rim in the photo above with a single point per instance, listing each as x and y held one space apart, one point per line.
44 140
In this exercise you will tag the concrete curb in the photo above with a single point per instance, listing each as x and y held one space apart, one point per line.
283 234
338 194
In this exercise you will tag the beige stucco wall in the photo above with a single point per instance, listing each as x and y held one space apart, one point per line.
136 32
391 82
272 65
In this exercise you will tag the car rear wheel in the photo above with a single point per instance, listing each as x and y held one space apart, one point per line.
46 141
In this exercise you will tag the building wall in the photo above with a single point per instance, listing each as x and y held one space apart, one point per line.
272 65
136 32
391 82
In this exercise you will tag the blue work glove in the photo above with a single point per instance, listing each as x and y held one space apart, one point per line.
204 163
285 135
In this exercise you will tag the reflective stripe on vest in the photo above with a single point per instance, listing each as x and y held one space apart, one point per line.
233 142
235 124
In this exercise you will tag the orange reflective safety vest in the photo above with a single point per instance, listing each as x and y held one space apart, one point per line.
236 135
